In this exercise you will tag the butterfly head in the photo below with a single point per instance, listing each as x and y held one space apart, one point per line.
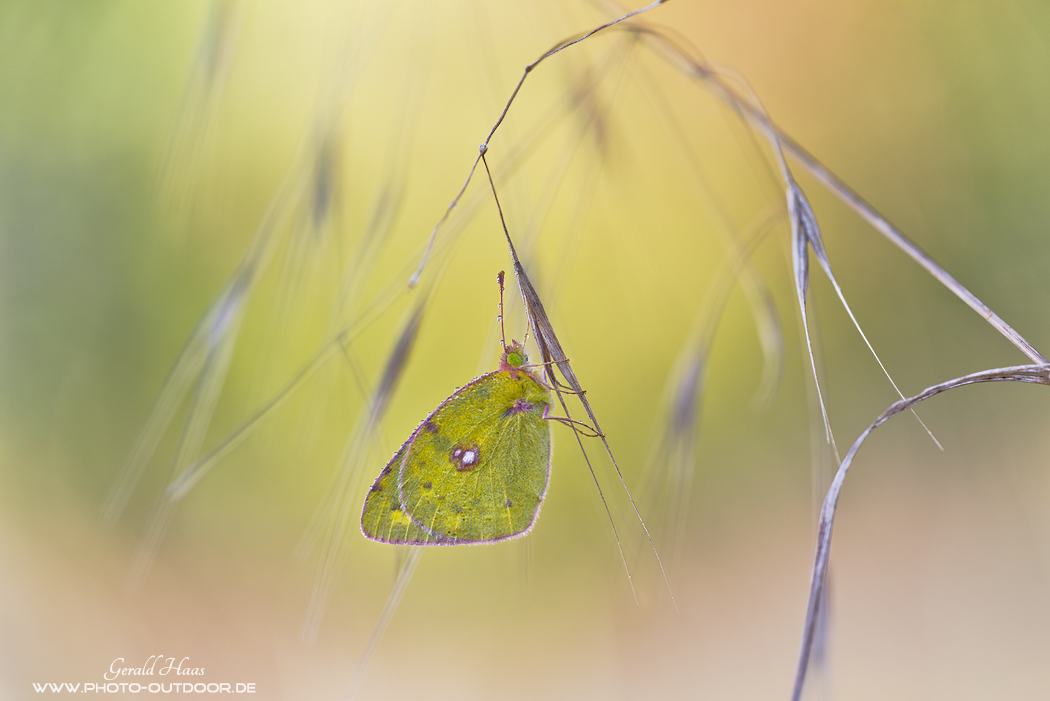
513 357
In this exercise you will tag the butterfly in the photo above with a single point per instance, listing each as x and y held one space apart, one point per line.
475 470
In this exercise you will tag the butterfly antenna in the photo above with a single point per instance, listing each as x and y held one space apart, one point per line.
502 332
513 253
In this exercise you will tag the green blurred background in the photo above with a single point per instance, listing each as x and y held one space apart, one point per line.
140 146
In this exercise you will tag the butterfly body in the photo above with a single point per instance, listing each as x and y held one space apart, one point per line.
474 471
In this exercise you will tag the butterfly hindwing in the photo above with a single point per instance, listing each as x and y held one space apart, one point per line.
479 469
475 471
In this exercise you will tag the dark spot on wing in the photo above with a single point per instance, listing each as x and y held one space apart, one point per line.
430 427
508 503
427 485
465 457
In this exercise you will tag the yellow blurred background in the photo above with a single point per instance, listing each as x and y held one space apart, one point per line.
143 148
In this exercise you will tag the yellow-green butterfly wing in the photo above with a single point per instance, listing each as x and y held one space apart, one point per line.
475 471
383 518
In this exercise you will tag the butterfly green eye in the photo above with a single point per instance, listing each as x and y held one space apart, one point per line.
515 360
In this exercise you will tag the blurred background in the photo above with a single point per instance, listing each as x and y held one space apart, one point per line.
236 182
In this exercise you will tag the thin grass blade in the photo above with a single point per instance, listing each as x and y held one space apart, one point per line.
338 507
1037 374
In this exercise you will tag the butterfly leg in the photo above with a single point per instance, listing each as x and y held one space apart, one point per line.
562 387
584 428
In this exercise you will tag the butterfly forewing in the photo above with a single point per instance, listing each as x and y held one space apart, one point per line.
476 469
383 518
